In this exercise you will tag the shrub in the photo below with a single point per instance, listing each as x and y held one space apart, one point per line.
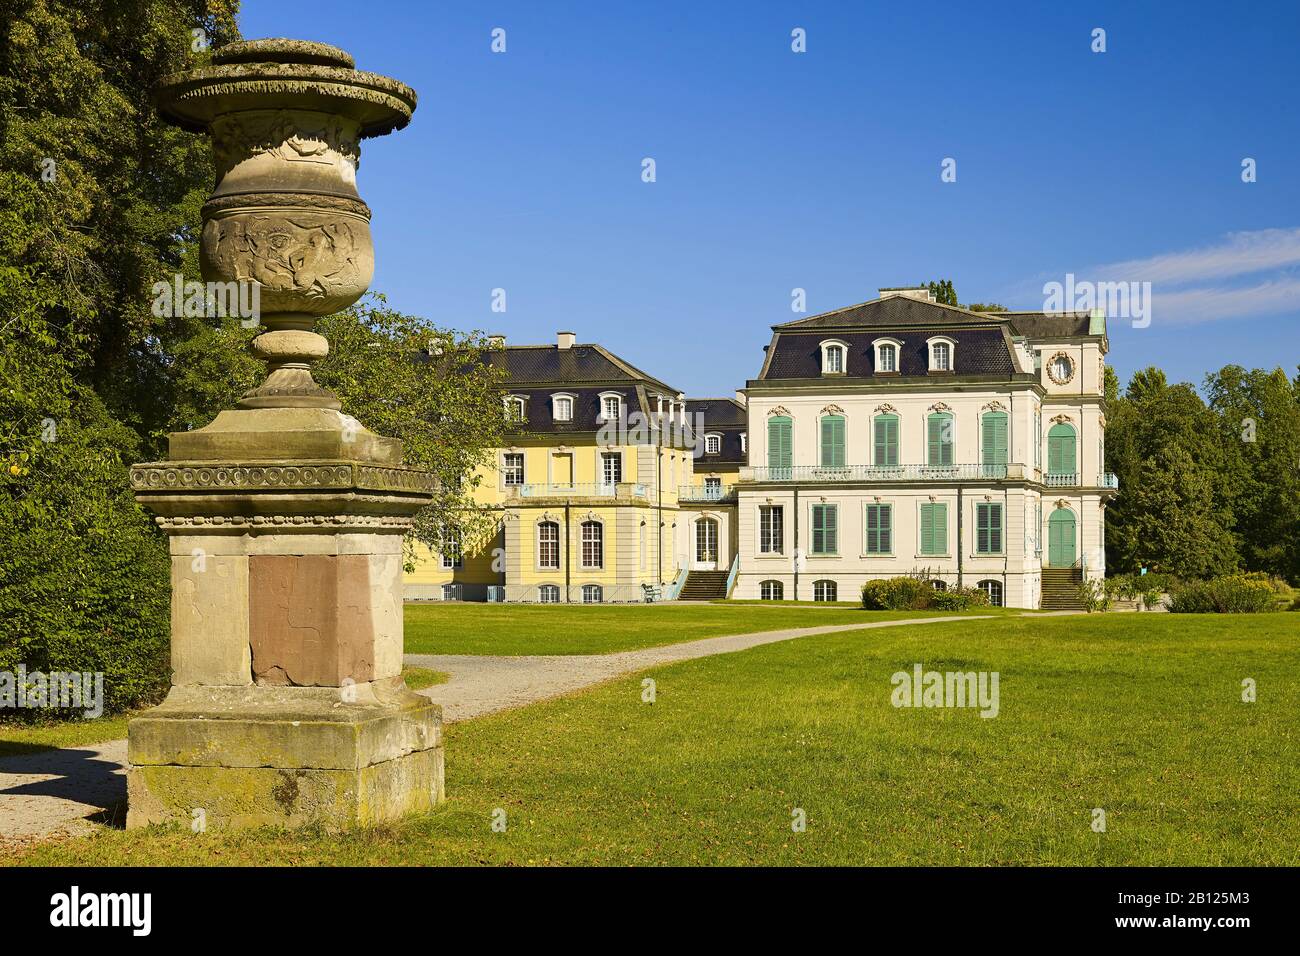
1094 595
958 599
914 592
1230 594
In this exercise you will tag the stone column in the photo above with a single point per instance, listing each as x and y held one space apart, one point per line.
285 515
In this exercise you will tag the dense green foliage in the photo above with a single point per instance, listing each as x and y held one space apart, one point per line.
1205 489
914 592
1229 594
99 199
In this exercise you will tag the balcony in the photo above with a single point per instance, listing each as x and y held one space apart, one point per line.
705 493
1106 480
623 489
896 473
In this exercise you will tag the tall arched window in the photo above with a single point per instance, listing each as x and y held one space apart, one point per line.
780 443
548 545
939 439
832 450
885 434
1061 458
593 544
993 438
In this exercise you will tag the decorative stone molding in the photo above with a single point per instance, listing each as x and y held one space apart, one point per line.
940 407
334 523
885 409
1062 420
1061 379
994 406
237 476
1062 503
831 409
778 410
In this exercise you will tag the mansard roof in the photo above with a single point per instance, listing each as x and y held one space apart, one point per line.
900 311
577 365
729 419
984 352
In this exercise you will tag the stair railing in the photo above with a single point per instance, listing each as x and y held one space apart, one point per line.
731 576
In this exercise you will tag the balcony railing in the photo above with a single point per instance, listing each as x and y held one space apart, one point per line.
705 493
880 473
580 490
1108 480
1104 480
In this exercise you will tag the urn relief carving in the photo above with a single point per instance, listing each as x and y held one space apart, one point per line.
286 119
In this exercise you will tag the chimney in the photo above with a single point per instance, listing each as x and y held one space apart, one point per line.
496 341
918 292
565 340
740 397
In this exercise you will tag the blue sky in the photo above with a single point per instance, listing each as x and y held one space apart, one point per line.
821 170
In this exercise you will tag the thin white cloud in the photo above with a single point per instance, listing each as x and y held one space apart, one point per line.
1245 275
1239 254
1192 306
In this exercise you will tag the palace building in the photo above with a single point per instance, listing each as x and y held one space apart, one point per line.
898 436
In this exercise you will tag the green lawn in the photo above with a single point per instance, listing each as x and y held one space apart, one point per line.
513 629
1140 715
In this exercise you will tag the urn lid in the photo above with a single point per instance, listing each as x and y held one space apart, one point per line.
281 73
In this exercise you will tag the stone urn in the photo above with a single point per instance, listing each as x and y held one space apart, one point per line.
285 516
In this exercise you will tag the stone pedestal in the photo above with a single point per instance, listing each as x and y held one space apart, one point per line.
286 516
287 704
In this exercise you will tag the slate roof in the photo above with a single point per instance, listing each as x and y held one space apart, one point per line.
984 347
537 372
729 419
985 352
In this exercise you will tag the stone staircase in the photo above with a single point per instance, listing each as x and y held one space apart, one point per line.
704 586
1060 589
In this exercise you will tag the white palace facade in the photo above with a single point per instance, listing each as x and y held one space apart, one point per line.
898 436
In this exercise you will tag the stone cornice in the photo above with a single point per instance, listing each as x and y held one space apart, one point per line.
220 477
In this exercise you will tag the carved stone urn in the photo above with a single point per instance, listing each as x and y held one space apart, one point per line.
285 516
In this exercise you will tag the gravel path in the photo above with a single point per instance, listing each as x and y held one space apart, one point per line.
56 792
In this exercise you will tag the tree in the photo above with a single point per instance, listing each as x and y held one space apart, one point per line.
1173 513
1259 428
985 307
943 291
431 388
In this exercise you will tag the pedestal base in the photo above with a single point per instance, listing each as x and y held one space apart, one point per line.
235 757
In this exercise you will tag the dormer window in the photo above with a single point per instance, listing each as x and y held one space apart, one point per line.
887 352
562 408
516 408
611 406
942 350
712 444
744 443
834 357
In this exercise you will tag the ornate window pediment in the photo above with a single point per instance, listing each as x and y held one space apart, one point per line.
940 407
778 410
885 409
832 409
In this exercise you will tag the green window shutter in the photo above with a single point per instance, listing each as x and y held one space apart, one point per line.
824 529
833 442
779 442
993 429
879 529
886 441
934 529
939 439
1060 450
988 528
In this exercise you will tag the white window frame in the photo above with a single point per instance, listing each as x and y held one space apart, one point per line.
559 544
827 347
555 406
820 585
582 545
506 470
618 410
713 443
879 344
519 401
543 590
779 540
744 443
934 340
776 586
588 590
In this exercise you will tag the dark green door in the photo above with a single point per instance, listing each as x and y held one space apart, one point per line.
1060 539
